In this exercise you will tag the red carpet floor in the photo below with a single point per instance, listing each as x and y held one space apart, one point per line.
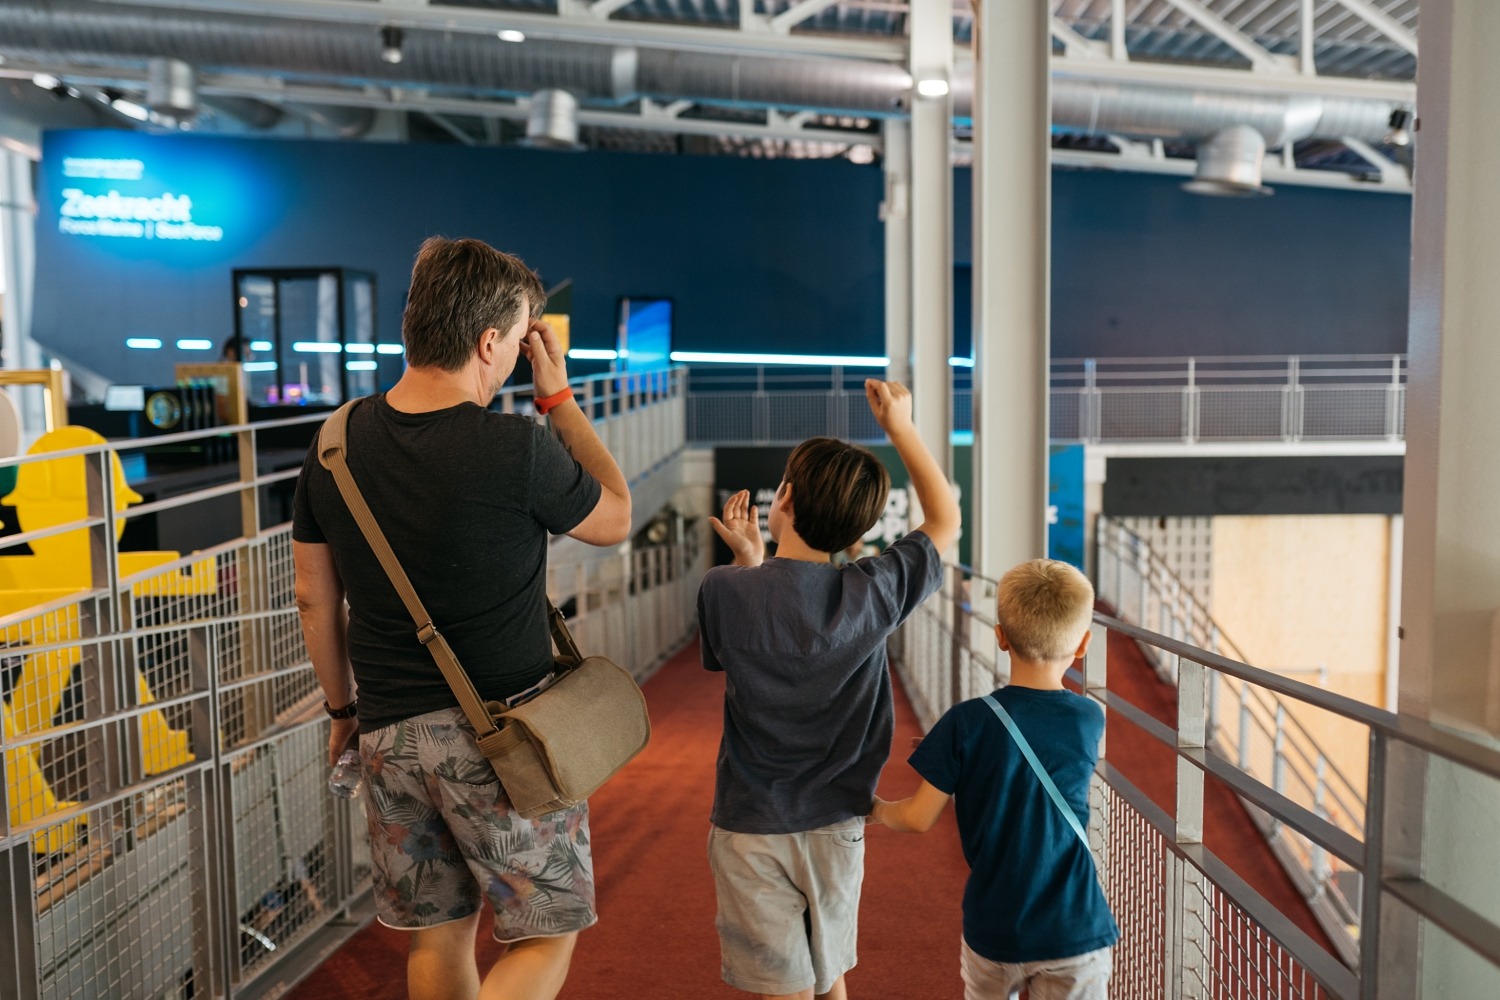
655 937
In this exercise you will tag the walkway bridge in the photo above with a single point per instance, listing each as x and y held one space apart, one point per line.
167 833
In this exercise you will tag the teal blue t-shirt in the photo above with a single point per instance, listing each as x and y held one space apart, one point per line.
1032 894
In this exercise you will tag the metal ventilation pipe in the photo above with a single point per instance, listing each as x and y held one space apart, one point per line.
171 89
338 53
552 121
1229 165
344 121
256 114
1147 111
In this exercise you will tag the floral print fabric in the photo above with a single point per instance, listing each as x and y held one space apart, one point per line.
442 832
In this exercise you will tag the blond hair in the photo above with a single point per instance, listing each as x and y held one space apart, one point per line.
1044 608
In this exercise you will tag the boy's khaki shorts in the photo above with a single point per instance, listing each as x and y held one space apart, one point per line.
1082 977
788 905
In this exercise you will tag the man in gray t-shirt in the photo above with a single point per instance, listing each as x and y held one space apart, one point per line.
807 699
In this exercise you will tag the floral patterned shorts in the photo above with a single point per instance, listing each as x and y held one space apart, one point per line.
442 832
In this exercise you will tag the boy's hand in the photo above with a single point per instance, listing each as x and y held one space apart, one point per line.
875 811
891 404
740 530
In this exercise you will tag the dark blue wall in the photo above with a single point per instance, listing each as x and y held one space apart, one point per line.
778 256
1141 267
758 255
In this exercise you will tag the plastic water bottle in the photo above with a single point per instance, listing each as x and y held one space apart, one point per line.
348 776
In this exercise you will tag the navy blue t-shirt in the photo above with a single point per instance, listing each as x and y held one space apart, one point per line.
1032 894
807 697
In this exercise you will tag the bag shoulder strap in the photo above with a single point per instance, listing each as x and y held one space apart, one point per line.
1041 772
332 456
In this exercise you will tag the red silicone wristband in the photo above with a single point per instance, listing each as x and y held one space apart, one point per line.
546 404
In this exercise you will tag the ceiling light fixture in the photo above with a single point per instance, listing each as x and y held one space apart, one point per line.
390 44
46 81
1229 164
130 109
1400 134
932 87
511 35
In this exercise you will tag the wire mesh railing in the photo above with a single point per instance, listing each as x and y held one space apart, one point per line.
167 830
1092 400
1193 926
1255 728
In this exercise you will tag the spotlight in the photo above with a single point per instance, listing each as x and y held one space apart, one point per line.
390 42
130 109
1399 135
511 35
932 87
46 81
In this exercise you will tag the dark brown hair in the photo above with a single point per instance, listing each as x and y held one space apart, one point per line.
459 289
838 492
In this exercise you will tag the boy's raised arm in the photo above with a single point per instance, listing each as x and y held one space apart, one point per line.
891 404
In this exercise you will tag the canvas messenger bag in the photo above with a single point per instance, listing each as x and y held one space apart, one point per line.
552 751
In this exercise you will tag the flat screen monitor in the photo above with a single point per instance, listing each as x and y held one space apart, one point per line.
645 334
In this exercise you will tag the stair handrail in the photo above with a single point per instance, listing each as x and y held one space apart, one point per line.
1334 797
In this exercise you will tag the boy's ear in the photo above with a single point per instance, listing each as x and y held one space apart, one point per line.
1000 638
1083 647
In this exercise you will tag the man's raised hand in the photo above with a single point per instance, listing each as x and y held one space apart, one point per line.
540 346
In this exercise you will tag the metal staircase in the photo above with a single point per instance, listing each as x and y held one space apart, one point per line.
1250 726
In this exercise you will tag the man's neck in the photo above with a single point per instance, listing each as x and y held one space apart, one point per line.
1041 675
791 546
422 390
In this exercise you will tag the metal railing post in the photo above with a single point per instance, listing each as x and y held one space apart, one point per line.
1192 738
956 684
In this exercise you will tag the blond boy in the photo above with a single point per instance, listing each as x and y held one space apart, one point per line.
1034 915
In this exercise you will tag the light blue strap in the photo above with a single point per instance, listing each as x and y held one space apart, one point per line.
1041 772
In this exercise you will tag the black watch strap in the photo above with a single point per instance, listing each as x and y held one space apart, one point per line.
349 711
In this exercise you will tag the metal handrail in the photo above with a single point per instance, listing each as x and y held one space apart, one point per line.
1287 398
1216 639
1294 754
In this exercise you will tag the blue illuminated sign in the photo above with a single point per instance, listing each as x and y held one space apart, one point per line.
177 194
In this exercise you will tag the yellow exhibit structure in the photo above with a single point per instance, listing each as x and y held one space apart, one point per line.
35 610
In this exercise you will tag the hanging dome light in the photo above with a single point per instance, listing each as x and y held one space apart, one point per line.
552 122
1230 165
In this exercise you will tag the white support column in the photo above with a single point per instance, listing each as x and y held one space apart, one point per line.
1450 657
932 224
18 254
895 212
18 257
1012 218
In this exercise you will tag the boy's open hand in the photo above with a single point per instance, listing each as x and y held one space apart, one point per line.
740 530
891 404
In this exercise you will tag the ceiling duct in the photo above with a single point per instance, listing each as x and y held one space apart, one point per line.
1147 111
171 89
481 66
1229 165
247 110
552 121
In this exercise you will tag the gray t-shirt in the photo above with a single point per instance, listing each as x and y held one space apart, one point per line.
807 697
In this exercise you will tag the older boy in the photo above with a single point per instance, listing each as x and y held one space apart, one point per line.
807 700
1034 915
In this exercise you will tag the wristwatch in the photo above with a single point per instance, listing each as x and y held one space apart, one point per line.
349 711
